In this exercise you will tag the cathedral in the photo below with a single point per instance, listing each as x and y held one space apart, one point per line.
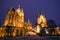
14 24
15 21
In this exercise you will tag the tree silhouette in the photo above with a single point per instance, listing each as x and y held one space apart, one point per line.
51 24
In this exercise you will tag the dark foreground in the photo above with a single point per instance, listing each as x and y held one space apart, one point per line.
32 38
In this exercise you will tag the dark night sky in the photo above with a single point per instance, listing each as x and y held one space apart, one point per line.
51 9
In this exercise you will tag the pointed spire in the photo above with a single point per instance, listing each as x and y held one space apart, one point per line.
28 20
18 6
10 9
41 12
18 9
22 10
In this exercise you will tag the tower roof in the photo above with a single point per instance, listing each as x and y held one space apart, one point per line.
18 6
29 21
41 13
22 10
18 9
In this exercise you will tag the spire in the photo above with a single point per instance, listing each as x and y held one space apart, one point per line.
22 10
18 6
10 9
18 9
41 12
28 20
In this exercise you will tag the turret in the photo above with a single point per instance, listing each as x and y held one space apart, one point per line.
20 17
41 20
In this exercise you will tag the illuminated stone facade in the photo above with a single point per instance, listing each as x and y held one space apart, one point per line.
14 17
19 17
41 20
40 23
14 24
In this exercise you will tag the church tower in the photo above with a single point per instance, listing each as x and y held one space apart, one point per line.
41 20
14 17
9 17
19 17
